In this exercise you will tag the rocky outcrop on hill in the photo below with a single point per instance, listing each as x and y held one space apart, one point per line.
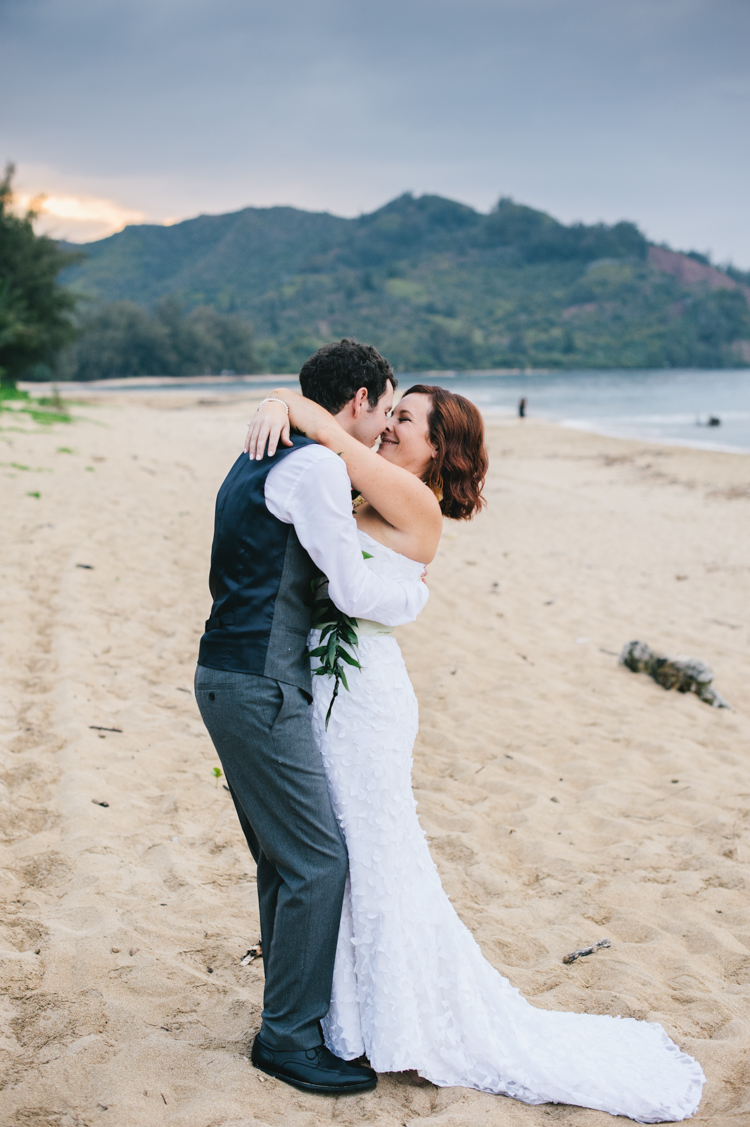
690 272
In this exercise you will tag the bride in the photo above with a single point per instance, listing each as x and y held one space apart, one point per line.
411 989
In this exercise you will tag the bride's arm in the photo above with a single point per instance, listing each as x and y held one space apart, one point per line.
400 497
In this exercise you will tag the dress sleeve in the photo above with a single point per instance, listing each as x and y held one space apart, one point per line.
310 489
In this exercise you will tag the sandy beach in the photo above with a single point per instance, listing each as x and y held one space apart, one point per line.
566 799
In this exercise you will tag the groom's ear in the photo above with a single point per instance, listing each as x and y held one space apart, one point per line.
358 403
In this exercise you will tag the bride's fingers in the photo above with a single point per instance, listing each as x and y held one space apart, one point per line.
279 432
256 439
261 438
266 428
273 438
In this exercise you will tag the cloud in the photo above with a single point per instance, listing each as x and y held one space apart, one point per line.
594 111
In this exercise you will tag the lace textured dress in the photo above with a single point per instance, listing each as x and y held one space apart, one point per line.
411 988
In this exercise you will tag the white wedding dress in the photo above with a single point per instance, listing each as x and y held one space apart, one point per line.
411 988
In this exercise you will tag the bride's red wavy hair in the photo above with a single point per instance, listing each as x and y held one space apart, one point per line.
457 432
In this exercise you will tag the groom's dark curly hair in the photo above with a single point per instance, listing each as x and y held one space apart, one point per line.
334 374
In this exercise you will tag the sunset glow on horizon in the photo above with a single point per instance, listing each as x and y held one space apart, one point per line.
78 218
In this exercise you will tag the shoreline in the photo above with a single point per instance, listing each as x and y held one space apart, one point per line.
236 388
685 443
445 373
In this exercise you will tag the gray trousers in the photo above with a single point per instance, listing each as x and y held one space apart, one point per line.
261 731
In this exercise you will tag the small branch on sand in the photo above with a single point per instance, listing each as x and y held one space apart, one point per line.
686 674
250 956
571 958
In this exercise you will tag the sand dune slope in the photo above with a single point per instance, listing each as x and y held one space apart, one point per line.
566 798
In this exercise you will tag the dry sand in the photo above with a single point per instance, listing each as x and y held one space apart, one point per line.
566 798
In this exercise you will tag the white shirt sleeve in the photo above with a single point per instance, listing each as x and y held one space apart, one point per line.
310 489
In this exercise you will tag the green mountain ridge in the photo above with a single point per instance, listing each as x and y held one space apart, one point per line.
432 283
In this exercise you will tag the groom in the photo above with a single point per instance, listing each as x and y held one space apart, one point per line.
277 520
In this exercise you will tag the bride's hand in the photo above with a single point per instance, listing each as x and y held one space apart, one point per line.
269 424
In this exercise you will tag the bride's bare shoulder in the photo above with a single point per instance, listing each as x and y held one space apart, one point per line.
415 546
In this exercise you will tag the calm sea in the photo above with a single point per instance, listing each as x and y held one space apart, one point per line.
657 406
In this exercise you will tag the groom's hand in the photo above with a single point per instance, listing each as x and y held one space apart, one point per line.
269 424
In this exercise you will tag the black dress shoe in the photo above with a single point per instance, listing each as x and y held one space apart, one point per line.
313 1070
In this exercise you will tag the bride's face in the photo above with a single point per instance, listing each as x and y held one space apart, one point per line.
406 438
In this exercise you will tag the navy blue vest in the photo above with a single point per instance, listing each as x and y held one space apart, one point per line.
260 581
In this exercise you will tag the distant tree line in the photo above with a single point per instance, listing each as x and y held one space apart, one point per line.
705 333
123 339
35 311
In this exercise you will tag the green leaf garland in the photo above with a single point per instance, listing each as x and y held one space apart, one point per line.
337 631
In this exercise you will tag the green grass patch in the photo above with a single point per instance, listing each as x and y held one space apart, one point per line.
13 401
11 393
26 469
48 417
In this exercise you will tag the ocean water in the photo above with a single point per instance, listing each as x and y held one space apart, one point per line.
670 407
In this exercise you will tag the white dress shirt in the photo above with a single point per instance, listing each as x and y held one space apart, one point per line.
310 489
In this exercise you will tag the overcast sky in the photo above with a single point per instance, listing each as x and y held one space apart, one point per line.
156 110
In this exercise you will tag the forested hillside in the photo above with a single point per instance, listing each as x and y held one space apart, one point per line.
432 283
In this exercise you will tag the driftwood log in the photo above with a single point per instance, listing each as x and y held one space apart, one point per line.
686 674
571 958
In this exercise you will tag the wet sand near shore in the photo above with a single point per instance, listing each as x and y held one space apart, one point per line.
565 798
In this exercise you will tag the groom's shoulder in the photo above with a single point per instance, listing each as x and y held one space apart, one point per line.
307 451
307 458
249 467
